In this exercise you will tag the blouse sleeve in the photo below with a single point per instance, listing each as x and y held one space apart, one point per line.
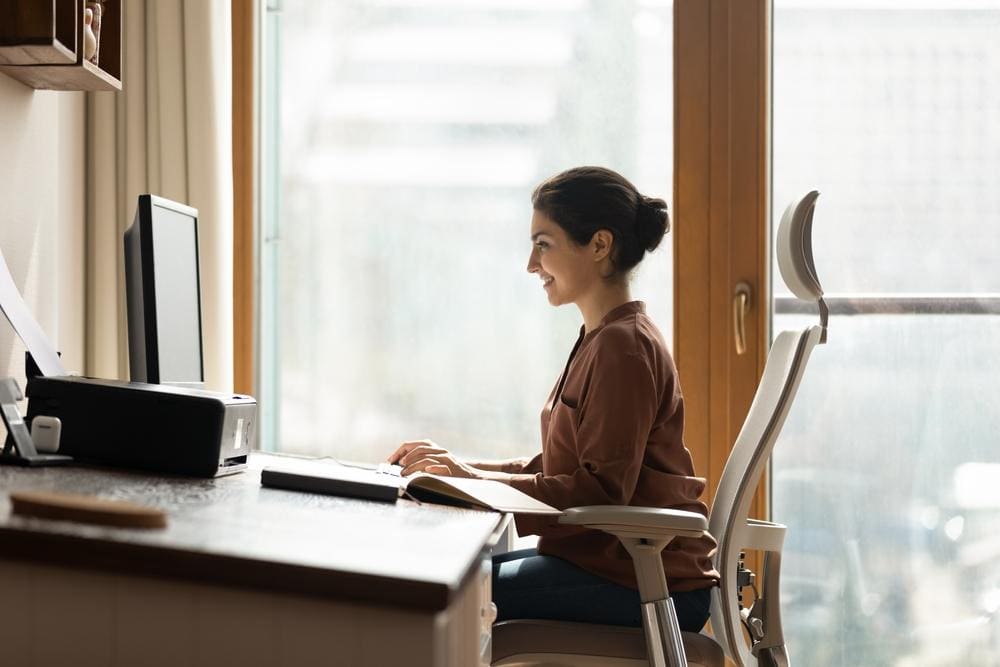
615 417
532 466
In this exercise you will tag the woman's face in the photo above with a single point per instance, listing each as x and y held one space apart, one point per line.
567 270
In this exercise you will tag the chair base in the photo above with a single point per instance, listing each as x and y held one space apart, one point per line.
531 643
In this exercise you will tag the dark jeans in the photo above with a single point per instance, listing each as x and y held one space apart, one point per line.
527 585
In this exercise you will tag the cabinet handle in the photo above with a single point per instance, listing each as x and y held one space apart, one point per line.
741 306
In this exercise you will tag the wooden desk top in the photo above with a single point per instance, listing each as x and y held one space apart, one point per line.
232 531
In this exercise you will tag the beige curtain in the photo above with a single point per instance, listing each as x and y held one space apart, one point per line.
167 133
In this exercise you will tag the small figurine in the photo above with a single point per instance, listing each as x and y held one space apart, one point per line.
89 38
98 9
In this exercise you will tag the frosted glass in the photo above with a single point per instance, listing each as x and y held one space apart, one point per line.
410 136
887 467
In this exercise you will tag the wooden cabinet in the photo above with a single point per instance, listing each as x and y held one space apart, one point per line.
42 44
243 575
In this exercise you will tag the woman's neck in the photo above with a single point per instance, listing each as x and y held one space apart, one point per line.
596 305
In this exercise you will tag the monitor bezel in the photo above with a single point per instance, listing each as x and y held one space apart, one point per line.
150 343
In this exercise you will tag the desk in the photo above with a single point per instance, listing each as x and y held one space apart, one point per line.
243 575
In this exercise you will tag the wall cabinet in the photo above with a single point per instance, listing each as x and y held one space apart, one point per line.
42 44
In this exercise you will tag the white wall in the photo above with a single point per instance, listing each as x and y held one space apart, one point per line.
42 205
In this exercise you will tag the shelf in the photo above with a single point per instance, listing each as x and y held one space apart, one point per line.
41 45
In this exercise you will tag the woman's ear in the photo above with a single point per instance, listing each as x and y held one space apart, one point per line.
601 244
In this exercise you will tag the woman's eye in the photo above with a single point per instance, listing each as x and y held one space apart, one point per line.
541 245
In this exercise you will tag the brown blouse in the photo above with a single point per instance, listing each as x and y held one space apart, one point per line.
612 434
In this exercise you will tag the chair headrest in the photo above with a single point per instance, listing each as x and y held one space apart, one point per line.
795 255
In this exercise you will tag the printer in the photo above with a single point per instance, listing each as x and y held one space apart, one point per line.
152 427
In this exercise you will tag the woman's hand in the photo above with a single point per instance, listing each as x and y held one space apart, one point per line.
427 456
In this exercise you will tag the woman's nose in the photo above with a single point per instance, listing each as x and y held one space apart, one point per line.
532 262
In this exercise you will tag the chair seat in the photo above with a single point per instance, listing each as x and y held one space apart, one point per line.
530 642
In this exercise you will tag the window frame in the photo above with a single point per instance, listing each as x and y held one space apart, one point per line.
244 69
721 124
722 188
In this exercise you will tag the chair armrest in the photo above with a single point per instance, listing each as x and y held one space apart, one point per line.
644 532
651 523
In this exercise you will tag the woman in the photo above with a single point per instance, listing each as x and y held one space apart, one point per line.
612 427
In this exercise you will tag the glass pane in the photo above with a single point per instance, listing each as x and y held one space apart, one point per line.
410 135
891 113
887 469
887 475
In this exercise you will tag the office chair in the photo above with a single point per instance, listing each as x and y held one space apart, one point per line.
750 637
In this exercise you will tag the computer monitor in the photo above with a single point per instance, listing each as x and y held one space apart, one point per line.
163 294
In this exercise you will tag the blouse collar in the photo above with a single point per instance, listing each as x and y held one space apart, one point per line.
623 311
616 313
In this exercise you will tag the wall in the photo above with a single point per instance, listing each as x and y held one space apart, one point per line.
42 205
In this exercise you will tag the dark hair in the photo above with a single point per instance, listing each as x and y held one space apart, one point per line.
584 200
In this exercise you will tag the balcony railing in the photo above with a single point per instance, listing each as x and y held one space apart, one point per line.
895 304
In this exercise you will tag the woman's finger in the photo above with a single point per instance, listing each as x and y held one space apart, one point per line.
405 448
419 452
420 465
399 452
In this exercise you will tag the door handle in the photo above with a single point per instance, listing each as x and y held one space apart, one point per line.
741 306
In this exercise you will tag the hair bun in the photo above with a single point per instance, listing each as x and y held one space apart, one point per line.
652 221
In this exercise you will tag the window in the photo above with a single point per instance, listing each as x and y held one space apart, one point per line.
404 138
888 466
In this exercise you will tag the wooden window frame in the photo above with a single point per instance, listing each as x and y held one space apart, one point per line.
721 212
244 27
722 153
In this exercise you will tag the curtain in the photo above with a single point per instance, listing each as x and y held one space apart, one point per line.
167 133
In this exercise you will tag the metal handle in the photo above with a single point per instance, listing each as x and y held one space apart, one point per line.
741 306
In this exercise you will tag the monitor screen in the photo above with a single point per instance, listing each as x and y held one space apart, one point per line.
163 289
